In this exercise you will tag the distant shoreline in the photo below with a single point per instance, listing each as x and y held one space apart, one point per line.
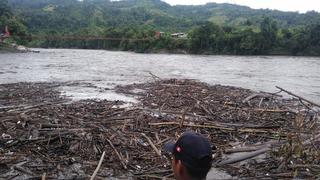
9 49
14 48
5 48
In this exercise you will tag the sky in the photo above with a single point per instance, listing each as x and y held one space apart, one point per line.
283 5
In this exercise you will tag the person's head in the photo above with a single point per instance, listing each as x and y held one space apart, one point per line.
192 156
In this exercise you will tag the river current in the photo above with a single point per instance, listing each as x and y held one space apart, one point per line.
106 69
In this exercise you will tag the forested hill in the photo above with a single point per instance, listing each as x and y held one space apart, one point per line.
51 15
131 25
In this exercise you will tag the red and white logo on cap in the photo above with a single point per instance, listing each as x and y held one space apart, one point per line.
178 149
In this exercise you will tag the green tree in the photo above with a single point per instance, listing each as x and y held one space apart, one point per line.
208 37
269 31
16 28
315 35
4 8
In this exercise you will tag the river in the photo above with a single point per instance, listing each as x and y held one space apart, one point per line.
106 69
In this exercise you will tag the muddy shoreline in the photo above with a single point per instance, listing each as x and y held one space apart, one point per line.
46 134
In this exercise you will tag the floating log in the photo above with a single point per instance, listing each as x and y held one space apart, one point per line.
302 98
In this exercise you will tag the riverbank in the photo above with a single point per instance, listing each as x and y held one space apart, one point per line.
255 135
14 48
186 52
6 48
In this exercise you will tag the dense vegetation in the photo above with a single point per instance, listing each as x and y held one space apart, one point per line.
212 28
7 18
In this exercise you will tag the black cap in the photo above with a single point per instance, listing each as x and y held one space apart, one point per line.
192 149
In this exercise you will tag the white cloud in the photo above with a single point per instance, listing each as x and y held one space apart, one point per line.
284 5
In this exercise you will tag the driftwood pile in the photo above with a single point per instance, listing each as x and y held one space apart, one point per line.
260 135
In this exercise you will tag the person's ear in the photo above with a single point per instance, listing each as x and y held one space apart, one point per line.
175 167
180 168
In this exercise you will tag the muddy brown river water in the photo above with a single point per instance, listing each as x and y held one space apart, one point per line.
106 69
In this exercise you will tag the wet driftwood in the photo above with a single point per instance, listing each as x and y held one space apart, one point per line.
44 135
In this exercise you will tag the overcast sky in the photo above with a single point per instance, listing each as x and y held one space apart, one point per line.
284 5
